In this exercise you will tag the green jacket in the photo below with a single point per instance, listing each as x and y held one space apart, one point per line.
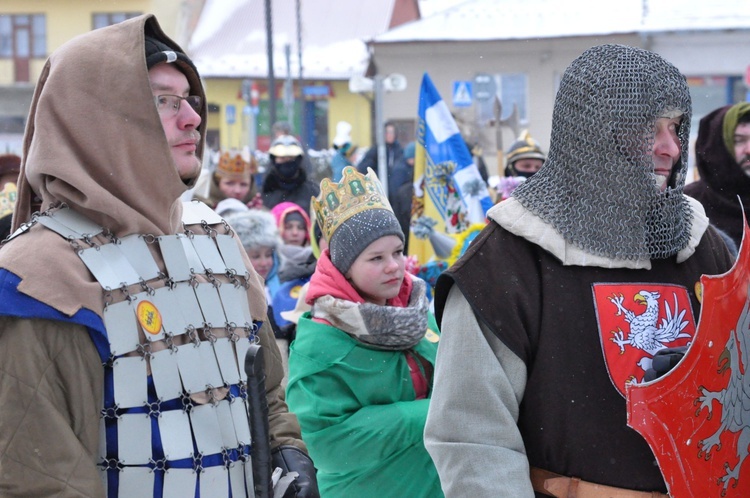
360 421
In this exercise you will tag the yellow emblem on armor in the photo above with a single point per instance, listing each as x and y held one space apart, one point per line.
355 193
149 317
431 336
699 291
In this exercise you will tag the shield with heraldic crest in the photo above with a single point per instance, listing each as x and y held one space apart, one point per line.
696 418
635 321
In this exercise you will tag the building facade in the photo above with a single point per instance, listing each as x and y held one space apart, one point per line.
31 30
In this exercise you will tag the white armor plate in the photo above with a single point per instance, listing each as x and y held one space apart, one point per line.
122 331
135 249
134 450
174 426
205 424
136 481
214 482
172 318
208 253
166 374
191 370
179 483
196 212
226 360
174 256
130 387
210 304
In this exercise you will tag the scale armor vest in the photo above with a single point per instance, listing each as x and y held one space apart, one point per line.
175 416
597 186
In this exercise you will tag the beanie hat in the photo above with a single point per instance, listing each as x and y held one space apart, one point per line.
356 233
296 216
255 228
731 119
158 52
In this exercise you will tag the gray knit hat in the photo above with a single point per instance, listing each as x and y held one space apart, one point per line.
255 228
358 232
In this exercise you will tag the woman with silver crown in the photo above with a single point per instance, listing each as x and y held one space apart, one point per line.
360 369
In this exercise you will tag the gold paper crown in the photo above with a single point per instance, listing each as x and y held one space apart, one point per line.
233 166
8 199
355 193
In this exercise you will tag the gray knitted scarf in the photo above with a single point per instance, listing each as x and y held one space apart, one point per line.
382 327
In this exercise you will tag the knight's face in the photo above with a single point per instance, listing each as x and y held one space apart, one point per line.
666 150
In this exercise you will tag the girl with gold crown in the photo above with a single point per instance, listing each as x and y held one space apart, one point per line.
360 369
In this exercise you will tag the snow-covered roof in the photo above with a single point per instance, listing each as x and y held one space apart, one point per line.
483 20
230 38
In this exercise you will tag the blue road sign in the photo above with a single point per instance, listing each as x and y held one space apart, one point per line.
462 93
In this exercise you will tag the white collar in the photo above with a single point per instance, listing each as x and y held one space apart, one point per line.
518 220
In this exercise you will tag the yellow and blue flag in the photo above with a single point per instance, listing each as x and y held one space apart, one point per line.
449 193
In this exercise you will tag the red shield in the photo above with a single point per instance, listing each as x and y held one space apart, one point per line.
637 320
697 417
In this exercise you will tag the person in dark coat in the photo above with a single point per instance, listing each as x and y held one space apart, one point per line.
394 158
722 155
403 196
287 179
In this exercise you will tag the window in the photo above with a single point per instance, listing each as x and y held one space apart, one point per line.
23 36
104 20
512 89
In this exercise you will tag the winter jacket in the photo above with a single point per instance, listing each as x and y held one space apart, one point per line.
298 190
357 409
358 415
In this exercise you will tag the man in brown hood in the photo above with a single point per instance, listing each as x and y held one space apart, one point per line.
722 156
125 315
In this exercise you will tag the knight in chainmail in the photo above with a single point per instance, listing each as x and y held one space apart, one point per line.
531 369
126 316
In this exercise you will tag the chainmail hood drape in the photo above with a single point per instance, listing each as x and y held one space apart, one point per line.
597 186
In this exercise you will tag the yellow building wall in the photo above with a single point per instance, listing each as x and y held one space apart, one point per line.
223 92
6 71
343 106
69 18
352 108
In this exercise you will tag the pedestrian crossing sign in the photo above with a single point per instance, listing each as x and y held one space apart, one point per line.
462 93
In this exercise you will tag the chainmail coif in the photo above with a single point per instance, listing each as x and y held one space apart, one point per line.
597 187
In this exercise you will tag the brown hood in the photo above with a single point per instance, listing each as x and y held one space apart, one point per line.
94 141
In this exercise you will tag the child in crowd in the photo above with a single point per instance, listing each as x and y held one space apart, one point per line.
233 179
361 366
293 223
257 231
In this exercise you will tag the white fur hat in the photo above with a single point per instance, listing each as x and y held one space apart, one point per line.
343 134
255 228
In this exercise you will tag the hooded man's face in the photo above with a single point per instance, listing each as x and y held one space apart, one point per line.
180 127
742 146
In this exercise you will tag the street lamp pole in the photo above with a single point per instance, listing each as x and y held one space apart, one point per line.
379 135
